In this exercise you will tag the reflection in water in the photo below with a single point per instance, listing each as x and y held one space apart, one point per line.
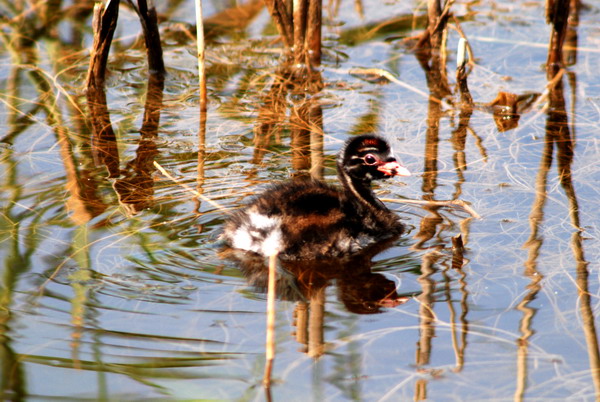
459 135
431 56
588 320
507 108
300 27
12 382
302 85
116 318
135 185
360 290
435 73
459 344
135 188
23 242
558 136
104 141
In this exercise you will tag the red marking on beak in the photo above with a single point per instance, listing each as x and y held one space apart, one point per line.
393 169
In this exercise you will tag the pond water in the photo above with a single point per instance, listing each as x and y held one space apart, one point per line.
114 286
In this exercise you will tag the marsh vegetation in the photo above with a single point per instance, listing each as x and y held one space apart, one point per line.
114 189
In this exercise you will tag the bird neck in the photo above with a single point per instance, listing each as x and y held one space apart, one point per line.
360 190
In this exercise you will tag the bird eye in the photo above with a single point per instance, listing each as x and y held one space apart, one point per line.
370 159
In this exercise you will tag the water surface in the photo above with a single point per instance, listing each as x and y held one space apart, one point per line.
113 286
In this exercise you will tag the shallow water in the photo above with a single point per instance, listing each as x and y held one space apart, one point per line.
114 287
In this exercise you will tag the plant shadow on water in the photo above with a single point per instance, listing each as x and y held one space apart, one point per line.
115 285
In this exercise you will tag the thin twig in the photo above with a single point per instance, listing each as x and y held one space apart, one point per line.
390 77
189 189
448 203
549 88
443 16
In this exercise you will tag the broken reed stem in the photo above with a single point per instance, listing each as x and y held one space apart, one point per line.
149 21
461 53
449 203
283 21
189 189
458 249
203 102
270 341
299 21
471 57
104 143
104 25
461 78
436 23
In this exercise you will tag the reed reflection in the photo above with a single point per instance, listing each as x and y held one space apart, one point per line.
431 238
558 136
13 379
305 281
359 289
30 35
298 78
134 185
298 81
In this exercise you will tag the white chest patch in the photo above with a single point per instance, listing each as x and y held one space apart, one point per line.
260 221
258 233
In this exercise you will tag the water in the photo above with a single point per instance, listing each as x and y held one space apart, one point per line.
105 296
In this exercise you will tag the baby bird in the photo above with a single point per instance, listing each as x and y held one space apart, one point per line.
309 219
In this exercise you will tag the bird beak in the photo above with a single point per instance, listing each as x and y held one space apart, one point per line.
393 302
393 169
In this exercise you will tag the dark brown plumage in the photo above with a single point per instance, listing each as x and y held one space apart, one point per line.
308 219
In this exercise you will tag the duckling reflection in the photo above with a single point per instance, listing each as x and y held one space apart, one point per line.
360 290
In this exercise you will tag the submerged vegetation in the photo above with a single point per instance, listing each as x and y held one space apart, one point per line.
118 171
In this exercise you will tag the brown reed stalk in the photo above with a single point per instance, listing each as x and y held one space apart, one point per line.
149 21
270 341
299 22
104 146
313 32
201 56
104 24
279 13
